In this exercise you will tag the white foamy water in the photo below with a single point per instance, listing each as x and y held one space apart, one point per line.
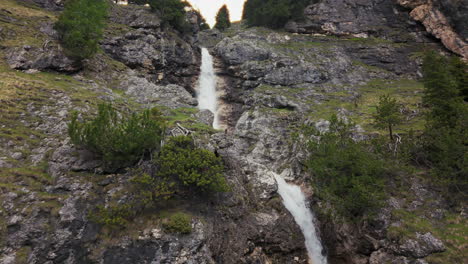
206 96
294 200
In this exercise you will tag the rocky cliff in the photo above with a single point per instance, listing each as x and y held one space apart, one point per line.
271 84
400 20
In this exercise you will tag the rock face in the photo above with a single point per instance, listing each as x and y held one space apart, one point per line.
361 18
271 85
389 19
443 20
165 57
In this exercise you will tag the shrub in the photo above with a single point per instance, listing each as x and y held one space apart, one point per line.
80 27
172 12
118 139
346 172
194 167
178 223
113 216
222 18
148 190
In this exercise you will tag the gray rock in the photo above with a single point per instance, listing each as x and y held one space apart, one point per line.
297 74
205 116
50 57
422 246
145 92
237 50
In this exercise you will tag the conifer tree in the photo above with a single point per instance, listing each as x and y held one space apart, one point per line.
172 12
388 114
446 132
80 27
222 18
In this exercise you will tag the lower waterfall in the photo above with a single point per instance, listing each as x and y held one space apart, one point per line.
294 200
206 94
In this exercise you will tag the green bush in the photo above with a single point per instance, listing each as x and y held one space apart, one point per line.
273 13
346 172
148 190
113 216
178 223
80 27
222 19
118 139
196 168
172 12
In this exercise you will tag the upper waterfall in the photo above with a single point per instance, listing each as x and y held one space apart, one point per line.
294 200
206 92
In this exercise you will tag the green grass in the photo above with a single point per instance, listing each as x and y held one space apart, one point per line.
407 92
452 231
24 29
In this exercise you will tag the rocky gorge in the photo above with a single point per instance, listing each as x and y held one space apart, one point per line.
270 84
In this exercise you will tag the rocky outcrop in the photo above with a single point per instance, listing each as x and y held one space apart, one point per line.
49 57
163 55
383 18
436 18
389 19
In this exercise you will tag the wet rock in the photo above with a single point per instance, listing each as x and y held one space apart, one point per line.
205 116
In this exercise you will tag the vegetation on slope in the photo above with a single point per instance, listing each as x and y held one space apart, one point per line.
273 13
80 27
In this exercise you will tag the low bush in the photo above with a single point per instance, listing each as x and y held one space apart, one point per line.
193 167
178 223
118 139
115 216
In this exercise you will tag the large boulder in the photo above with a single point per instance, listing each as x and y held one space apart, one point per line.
238 50
47 57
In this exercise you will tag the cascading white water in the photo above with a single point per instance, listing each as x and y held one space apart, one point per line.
294 200
207 98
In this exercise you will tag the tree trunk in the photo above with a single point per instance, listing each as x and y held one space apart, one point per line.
390 132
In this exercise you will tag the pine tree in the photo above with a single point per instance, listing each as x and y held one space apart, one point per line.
80 27
388 114
222 18
446 132
172 12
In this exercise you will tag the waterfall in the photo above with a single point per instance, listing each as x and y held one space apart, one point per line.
206 96
294 200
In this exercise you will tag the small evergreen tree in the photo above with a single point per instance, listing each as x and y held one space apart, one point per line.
222 18
346 172
195 168
172 12
388 114
80 27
